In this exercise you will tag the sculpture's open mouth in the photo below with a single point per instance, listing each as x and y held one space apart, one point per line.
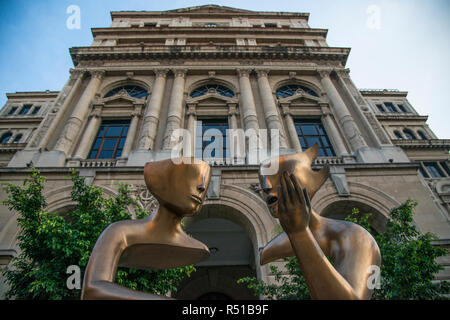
197 199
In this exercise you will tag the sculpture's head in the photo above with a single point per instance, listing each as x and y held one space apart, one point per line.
300 165
178 185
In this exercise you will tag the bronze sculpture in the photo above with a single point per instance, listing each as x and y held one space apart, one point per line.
313 238
156 242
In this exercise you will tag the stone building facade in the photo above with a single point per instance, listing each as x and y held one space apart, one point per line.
151 73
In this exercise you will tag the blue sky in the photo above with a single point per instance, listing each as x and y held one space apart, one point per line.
407 48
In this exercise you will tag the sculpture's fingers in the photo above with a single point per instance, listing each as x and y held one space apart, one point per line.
283 192
293 198
298 190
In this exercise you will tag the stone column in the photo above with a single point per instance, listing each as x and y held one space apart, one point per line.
90 133
132 131
232 113
76 74
191 125
246 100
341 112
357 105
153 111
295 142
78 116
334 135
174 117
270 109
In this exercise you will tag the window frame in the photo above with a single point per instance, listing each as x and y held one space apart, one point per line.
204 144
103 130
320 136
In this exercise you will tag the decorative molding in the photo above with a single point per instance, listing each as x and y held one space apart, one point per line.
99 74
262 73
324 73
161 73
179 72
243 72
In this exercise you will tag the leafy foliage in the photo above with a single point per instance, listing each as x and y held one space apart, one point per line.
408 263
50 242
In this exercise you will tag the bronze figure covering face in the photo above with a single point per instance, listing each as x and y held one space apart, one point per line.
312 238
156 242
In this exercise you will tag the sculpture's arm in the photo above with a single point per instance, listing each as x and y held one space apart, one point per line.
323 280
102 267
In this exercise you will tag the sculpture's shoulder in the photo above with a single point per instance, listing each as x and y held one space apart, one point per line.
346 233
121 231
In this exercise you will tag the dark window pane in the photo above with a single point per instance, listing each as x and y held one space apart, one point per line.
121 143
5 137
25 109
390 107
97 143
433 170
125 131
36 110
292 89
209 137
398 135
17 138
109 144
118 153
309 129
322 153
93 154
446 168
13 109
312 140
422 172
325 142
402 108
132 91
213 88
113 132
106 154
408 134
380 108
422 135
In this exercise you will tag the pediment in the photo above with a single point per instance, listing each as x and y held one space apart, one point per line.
212 98
210 9
121 99
300 98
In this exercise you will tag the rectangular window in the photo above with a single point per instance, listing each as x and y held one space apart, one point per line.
402 108
36 110
433 170
310 132
26 108
12 111
390 107
210 129
270 25
110 139
445 166
422 172
380 108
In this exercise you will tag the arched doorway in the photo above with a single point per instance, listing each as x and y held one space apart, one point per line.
232 256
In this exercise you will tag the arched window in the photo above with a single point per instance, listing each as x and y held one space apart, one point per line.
17 138
398 135
409 135
132 91
291 89
217 88
5 137
422 135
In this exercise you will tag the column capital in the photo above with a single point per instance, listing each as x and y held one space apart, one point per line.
285 109
76 73
343 73
232 109
137 111
98 74
179 72
161 73
192 109
324 73
262 72
243 72
96 110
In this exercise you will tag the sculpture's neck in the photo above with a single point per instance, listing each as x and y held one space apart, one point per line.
166 220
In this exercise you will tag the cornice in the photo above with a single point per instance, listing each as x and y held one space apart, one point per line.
214 52
422 144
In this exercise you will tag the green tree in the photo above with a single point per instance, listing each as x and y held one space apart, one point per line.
51 242
408 263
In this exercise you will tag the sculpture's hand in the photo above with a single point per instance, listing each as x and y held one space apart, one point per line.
294 208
